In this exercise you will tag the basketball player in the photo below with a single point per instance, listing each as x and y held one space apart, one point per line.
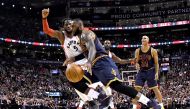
72 48
107 46
115 58
103 67
94 85
147 64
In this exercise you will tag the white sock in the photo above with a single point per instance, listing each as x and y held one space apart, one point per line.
134 106
92 93
94 85
143 99
81 103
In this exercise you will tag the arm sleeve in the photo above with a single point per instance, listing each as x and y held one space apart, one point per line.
46 28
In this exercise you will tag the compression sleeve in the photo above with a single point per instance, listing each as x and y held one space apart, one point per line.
46 28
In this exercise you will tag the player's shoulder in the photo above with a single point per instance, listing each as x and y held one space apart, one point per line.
87 31
89 34
60 35
137 50
61 32
153 49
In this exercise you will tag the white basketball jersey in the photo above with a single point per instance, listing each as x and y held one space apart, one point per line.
72 46
110 54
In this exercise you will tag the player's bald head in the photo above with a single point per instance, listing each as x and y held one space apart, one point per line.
79 22
107 41
78 26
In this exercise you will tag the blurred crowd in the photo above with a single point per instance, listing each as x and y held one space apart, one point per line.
177 84
22 29
26 84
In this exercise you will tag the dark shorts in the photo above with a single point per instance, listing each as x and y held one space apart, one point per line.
90 78
82 84
143 76
106 70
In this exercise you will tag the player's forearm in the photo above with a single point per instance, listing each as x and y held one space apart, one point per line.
123 61
46 28
91 54
157 68
91 47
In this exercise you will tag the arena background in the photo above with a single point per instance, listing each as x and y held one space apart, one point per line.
29 73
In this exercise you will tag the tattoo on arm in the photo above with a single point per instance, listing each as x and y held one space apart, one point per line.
89 38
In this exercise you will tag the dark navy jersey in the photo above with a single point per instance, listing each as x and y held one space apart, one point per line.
146 60
99 47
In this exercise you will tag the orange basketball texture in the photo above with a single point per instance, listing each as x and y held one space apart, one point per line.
74 73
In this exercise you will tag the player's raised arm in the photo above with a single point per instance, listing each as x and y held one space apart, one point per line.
53 33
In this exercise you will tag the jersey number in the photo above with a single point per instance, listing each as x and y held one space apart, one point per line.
74 47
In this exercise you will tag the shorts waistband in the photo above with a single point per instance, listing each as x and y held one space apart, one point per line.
97 58
148 69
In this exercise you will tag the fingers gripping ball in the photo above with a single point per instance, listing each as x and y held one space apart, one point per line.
74 73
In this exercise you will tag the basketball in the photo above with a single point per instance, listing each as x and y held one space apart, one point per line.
74 73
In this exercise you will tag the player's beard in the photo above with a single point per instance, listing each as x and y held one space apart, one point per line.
107 47
68 32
